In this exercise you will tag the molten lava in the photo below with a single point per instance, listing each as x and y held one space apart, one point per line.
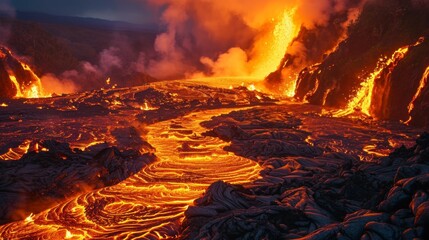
25 82
269 50
34 90
422 85
309 94
151 203
263 57
363 98
17 152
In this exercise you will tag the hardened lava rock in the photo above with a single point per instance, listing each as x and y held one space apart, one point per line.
309 192
55 173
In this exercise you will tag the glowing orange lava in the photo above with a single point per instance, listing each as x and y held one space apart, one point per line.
311 93
151 203
146 107
422 85
34 89
265 55
291 86
362 100
270 49
17 86
16 153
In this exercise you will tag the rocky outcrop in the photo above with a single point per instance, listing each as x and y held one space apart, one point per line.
383 27
313 44
308 192
10 67
53 173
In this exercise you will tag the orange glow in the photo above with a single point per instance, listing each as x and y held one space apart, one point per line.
325 95
311 93
309 140
16 153
35 90
68 234
146 107
116 103
251 87
188 163
373 149
30 218
17 86
270 49
265 55
31 90
362 100
291 86
4 105
422 85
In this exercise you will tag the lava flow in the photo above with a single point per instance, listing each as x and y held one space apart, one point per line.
362 101
16 153
25 82
248 120
422 85
151 203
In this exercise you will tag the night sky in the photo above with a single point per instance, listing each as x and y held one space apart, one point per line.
135 11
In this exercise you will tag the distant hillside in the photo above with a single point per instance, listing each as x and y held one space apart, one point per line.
44 51
56 44
73 39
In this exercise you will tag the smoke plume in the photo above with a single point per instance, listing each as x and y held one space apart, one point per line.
120 62
237 39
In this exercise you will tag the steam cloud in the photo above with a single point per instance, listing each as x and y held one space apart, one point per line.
205 38
215 38
87 76
119 61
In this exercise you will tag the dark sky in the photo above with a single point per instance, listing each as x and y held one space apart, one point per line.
136 11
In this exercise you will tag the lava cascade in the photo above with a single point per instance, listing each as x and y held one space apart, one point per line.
308 49
422 85
18 79
363 100
354 78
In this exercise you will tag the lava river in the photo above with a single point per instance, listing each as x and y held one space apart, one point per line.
150 204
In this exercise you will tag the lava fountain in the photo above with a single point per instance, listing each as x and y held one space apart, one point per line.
269 50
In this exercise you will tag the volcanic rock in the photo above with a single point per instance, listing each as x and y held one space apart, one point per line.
54 173
399 90
331 195
10 66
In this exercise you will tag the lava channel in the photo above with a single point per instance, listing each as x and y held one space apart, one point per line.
150 204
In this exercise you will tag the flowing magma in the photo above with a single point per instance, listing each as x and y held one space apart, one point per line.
362 101
150 204
27 84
